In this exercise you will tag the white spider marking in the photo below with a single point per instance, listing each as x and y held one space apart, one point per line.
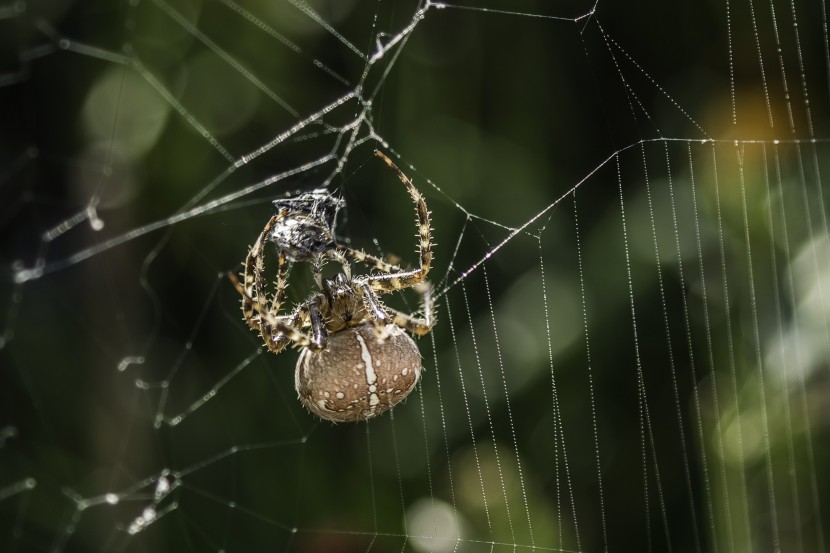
371 375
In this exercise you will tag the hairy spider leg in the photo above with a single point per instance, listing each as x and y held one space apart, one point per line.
280 283
254 269
411 323
318 324
419 326
405 279
297 319
288 329
383 314
337 255
279 295
372 261
374 306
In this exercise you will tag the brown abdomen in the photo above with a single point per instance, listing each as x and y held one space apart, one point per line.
358 376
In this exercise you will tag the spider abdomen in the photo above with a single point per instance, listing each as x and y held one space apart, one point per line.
358 375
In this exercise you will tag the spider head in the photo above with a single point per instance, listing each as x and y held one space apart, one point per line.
305 230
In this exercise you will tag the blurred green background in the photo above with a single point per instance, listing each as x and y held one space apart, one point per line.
641 364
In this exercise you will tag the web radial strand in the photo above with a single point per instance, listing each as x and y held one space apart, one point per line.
707 327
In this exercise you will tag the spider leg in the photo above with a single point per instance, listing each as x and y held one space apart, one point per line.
370 260
265 329
278 324
318 326
344 263
282 274
383 315
277 341
254 268
414 324
376 308
380 318
405 279
320 260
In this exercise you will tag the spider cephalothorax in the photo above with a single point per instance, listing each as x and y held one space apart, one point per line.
356 360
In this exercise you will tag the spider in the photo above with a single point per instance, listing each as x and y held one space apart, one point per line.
356 360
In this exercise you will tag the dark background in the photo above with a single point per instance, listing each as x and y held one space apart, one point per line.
647 377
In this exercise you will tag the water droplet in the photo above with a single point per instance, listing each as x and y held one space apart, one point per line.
149 514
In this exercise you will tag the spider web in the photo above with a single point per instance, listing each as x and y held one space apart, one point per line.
632 265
